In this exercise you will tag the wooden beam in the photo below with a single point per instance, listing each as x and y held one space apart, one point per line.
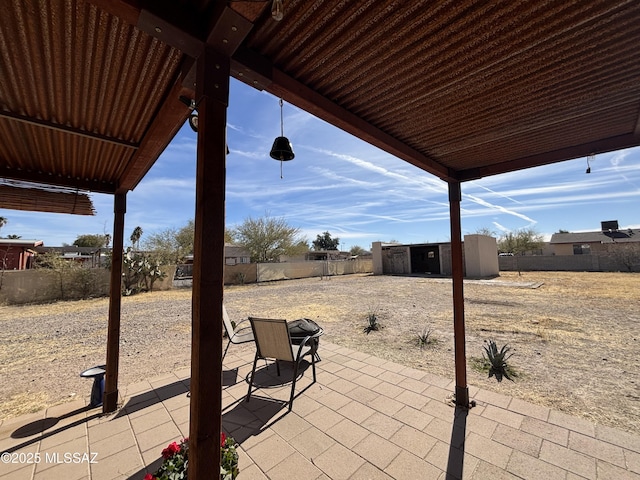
208 268
58 180
457 270
110 398
254 72
70 130
166 124
299 94
601 146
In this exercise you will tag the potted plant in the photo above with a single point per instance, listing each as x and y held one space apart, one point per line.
176 461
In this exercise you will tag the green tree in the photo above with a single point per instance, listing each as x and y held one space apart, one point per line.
3 221
165 246
171 245
357 250
520 241
485 231
267 238
185 237
325 242
13 237
90 240
135 237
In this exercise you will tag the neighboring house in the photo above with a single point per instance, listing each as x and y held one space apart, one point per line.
600 242
234 255
611 249
17 254
86 256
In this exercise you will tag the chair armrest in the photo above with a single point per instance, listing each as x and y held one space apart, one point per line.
246 320
305 340
242 331
238 329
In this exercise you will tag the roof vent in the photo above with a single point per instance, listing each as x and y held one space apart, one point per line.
609 225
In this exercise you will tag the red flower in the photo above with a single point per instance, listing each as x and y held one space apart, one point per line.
148 476
223 438
170 451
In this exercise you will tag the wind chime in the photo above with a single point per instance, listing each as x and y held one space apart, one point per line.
281 149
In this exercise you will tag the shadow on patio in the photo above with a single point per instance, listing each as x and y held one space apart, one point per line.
365 418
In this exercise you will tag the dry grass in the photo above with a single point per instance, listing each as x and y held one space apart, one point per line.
575 335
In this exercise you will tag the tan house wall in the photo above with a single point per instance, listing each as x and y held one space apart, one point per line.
563 249
595 247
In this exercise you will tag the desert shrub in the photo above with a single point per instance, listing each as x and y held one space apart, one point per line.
373 323
426 338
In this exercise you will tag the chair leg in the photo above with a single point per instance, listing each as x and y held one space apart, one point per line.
313 367
293 384
253 372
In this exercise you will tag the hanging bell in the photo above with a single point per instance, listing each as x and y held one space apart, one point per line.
282 149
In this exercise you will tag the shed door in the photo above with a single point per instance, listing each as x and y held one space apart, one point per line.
425 260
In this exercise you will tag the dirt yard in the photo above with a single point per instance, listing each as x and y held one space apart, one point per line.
575 336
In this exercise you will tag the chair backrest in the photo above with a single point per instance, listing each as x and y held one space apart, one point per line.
272 338
228 326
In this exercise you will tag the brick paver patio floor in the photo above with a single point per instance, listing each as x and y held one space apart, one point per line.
365 418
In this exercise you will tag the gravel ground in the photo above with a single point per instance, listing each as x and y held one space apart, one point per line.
576 351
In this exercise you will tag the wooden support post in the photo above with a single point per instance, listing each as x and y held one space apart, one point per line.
457 271
208 267
110 396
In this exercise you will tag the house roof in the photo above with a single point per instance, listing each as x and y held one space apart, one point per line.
72 249
91 90
235 251
20 242
618 236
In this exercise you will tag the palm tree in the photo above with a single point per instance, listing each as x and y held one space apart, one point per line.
3 221
135 237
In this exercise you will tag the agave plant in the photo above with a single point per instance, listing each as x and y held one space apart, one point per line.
425 338
372 319
497 361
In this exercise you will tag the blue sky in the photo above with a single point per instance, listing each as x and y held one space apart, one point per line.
357 192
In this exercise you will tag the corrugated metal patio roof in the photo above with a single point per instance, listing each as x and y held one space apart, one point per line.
90 90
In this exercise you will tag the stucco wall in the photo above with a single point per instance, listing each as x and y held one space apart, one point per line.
41 285
481 256
240 274
577 263
287 270
376 252
396 260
